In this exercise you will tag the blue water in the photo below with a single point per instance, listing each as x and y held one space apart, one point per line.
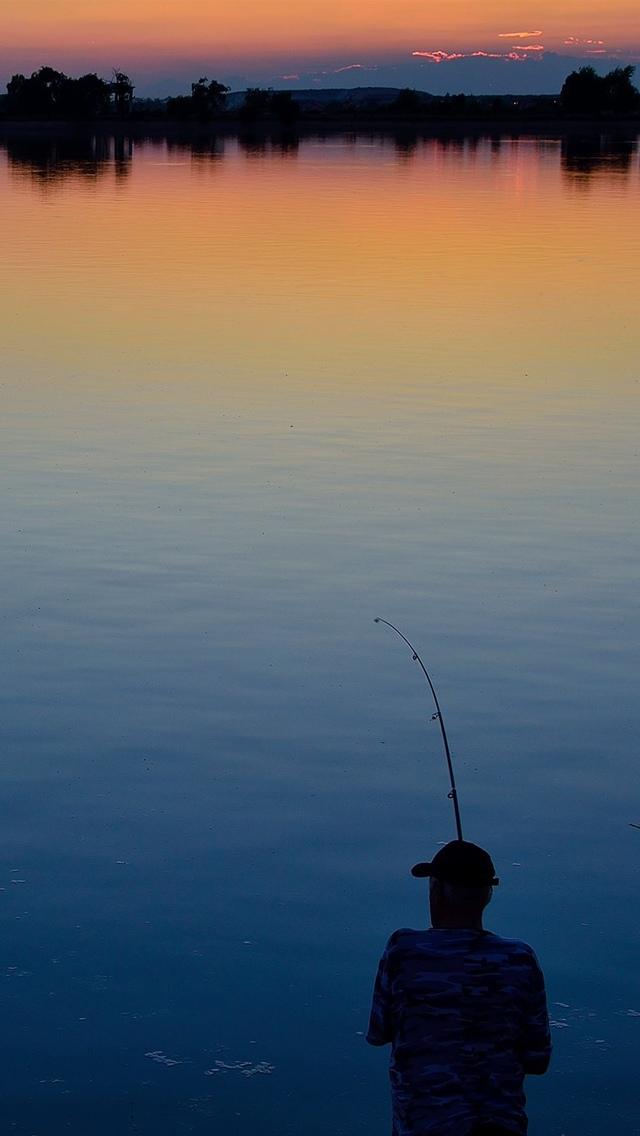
216 769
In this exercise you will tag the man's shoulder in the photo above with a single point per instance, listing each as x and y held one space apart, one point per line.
512 946
404 938
409 940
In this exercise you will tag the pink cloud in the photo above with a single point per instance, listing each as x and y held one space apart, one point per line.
517 55
289 78
438 56
519 35
573 41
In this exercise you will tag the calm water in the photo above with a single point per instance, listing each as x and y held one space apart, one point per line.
254 396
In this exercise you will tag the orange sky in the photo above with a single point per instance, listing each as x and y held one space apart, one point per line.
247 28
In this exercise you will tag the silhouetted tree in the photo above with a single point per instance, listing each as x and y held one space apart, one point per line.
256 102
584 91
16 95
407 101
208 98
284 106
85 98
452 106
150 108
621 95
50 94
180 107
37 97
122 92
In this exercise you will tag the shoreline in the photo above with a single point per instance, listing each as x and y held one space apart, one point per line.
141 129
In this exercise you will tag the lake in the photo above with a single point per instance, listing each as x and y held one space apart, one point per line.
255 394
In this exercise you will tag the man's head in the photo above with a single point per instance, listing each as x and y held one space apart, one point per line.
461 881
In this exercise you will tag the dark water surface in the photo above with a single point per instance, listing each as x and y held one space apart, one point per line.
254 396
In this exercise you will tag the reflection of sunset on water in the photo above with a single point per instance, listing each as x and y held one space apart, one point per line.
267 259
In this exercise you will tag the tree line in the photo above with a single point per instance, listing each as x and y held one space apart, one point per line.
48 94
586 92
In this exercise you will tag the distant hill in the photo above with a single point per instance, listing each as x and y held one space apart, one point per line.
312 99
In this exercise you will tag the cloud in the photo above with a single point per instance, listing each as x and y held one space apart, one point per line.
592 47
519 35
438 56
516 55
289 78
328 71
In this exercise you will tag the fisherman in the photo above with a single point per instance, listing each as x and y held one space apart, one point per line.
465 1010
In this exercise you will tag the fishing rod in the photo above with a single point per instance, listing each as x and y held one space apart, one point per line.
453 794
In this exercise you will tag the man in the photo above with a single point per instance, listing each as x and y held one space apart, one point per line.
465 1010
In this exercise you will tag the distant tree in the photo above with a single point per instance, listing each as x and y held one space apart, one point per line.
85 98
456 105
407 101
284 106
37 97
179 107
620 93
582 90
150 108
50 85
16 95
257 102
200 97
50 94
218 94
586 92
121 89
207 98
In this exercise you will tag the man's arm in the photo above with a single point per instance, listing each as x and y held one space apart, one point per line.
537 1037
379 1032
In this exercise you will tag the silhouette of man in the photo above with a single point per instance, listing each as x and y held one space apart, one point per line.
465 1010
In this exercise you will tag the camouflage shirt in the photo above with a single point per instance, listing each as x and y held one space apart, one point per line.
464 1011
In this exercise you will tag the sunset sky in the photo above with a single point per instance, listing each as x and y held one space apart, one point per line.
339 42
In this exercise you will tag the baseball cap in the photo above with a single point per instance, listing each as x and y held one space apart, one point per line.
460 863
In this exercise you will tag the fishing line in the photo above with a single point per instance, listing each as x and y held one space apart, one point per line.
453 794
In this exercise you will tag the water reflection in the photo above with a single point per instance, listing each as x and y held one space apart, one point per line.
584 156
207 147
55 158
49 158
406 146
257 145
